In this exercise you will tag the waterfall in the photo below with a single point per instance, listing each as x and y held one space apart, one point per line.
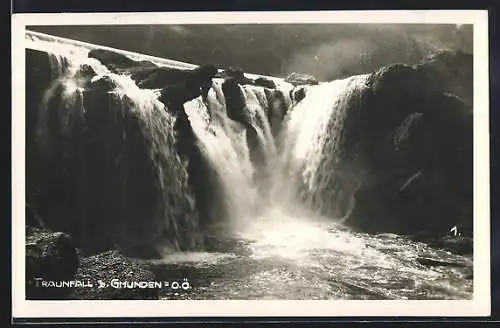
167 170
313 152
275 155
110 161
225 145
254 192
109 152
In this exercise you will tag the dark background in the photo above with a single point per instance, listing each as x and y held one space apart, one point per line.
327 51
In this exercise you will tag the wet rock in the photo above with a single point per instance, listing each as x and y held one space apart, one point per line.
164 77
111 265
235 102
50 256
159 77
207 194
452 71
117 62
97 169
436 262
103 84
39 77
277 109
297 94
266 83
236 74
179 88
297 79
85 72
408 146
415 145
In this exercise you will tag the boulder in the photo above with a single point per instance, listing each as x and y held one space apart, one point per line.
235 102
85 72
50 257
237 74
297 94
264 82
179 87
106 267
277 109
297 79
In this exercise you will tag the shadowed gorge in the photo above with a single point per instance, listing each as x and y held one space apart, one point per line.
338 188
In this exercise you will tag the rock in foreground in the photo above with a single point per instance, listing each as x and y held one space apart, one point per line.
50 256
112 266
55 271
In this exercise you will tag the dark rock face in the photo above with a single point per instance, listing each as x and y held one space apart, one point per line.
106 267
182 86
188 86
266 83
50 256
277 109
452 72
237 110
237 74
161 77
38 79
297 79
297 94
409 145
148 75
235 102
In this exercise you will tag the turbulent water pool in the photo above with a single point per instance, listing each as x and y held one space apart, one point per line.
282 256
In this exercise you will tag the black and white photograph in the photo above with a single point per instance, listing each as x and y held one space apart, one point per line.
185 159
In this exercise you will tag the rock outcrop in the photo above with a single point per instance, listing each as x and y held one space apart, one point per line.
408 145
103 159
50 257
416 144
297 79
266 83
236 74
56 270
109 269
453 72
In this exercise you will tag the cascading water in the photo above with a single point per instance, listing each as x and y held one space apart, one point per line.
223 143
136 142
277 242
313 149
